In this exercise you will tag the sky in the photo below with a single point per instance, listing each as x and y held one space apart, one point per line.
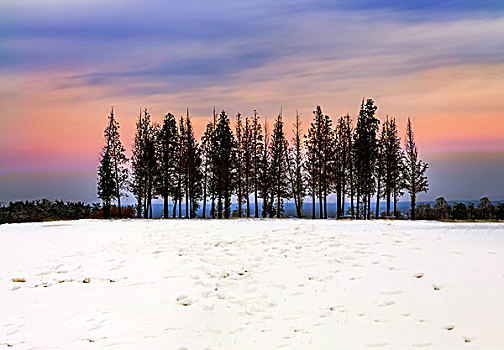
63 64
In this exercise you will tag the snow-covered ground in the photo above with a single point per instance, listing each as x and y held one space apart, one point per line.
251 284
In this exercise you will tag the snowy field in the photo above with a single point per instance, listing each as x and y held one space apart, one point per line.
251 284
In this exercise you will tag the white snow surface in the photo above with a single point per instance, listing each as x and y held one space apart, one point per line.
251 284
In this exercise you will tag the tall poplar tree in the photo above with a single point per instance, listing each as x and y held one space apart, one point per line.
106 181
150 162
239 163
365 152
257 146
327 155
225 159
380 167
113 154
278 150
265 174
191 165
343 166
207 142
247 162
138 163
167 160
414 179
295 165
392 163
313 157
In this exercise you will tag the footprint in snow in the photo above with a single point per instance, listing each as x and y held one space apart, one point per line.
418 275
185 302
421 345
379 345
387 303
392 292
449 327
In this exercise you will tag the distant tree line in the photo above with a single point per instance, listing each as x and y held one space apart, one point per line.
442 210
46 210
260 169
39 210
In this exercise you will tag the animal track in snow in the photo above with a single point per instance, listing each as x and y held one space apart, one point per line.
468 339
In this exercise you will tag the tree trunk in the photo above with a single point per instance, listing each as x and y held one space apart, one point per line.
219 207
240 198
150 198
165 206
106 211
212 208
187 201
357 213
247 192
321 214
313 197
279 211
227 205
119 206
204 195
395 204
388 199
413 205
139 205
180 205
264 207
338 199
300 202
369 207
256 213
352 213
146 206
272 200
377 215
325 201
343 203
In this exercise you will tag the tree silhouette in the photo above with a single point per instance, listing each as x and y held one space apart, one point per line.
441 208
240 155
313 144
208 152
191 165
278 150
485 209
264 176
295 165
365 153
247 161
257 146
225 159
106 182
343 164
414 179
112 164
168 160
